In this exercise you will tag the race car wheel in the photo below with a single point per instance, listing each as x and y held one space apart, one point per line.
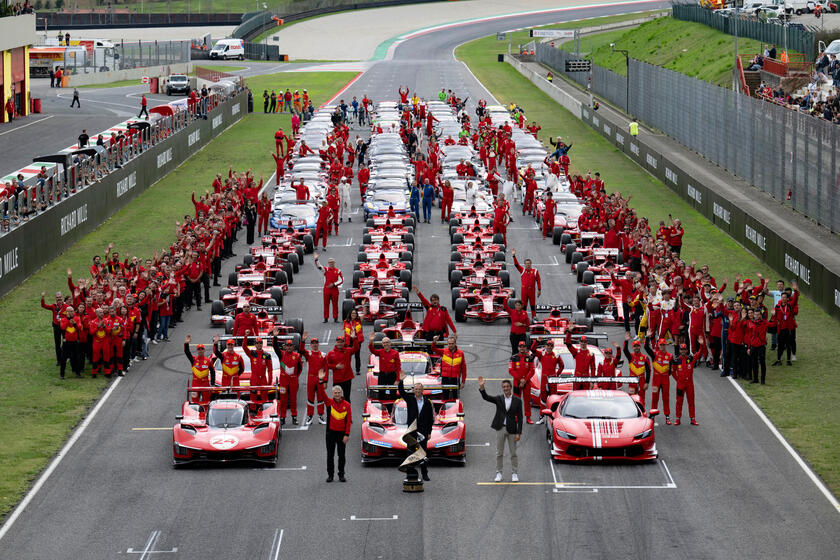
404 292
455 278
408 265
296 324
378 336
379 325
406 256
296 340
578 317
577 257
233 279
347 306
408 238
498 256
409 247
409 222
565 239
290 273
504 276
357 266
570 248
580 268
357 276
217 308
452 230
401 300
498 238
451 268
293 258
588 323
308 244
593 306
223 292
370 223
405 278
588 277
300 252
455 256
583 293
248 260
456 293
229 323
348 293
367 239
556 234
460 310
270 302
361 257
454 222
277 294
453 248
281 278
502 247
457 238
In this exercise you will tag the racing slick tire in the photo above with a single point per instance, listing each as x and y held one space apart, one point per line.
454 222
224 292
404 292
370 223
361 257
556 234
276 294
408 265
588 323
367 239
229 323
357 266
379 325
281 278
296 324
408 238
404 300
565 239
498 256
504 276
405 278
502 247
409 222
347 306
593 306
378 336
233 279
296 340
290 273
451 268
455 278
248 260
217 307
357 276
580 268
570 248
406 256
295 260
308 244
300 253
458 238
456 293
452 230
455 256
270 302
498 238
588 277
577 257
583 293
460 310
348 293
409 247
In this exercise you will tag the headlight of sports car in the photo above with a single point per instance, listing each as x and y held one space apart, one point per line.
564 435
181 449
643 435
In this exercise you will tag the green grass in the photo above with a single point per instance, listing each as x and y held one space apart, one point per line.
39 411
221 68
798 399
686 47
120 83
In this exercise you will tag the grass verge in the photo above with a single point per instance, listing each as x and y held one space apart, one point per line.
797 399
120 83
39 411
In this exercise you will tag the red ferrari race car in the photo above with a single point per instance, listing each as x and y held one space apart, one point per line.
557 323
382 220
251 290
595 425
485 304
603 304
269 318
382 270
418 366
572 240
477 267
383 427
597 260
227 424
275 256
301 236
406 330
394 252
477 251
458 218
471 234
244 379
393 234
375 299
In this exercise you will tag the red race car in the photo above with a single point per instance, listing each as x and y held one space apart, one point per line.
418 366
395 252
595 425
477 251
227 424
485 304
473 233
563 382
381 220
603 304
275 255
383 427
382 270
558 323
478 267
572 240
250 291
406 330
301 236
399 233
375 300
269 318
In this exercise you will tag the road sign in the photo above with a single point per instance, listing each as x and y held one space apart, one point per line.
554 33
144 80
578 66
500 36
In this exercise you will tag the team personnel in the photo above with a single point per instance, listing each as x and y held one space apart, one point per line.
549 364
316 366
638 365
584 359
390 366
682 368
531 284
437 321
507 422
518 323
232 363
261 365
339 420
71 329
453 365
353 336
57 309
522 370
661 361
203 373
338 361
291 366
333 279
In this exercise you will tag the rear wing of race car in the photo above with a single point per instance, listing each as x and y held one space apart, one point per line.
267 337
605 252
412 305
435 392
559 379
417 343
269 309
593 338
592 235
562 308
242 392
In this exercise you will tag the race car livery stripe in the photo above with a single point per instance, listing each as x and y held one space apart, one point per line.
596 433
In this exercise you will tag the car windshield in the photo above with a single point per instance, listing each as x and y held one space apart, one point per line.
298 211
226 417
390 196
608 407
416 366
400 415
177 78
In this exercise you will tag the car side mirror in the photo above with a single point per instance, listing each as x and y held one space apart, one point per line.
461 414
274 416
546 412
179 417
653 412
365 415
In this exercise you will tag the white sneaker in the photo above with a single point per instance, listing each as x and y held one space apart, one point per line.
793 357
321 419
498 477
308 420
514 477
541 420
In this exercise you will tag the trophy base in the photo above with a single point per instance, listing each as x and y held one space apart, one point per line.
412 485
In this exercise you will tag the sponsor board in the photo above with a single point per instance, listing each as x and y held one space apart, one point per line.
11 260
126 184
721 212
797 268
671 175
73 219
756 238
194 137
694 194
164 157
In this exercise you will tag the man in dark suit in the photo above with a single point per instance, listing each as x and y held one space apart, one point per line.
421 409
508 425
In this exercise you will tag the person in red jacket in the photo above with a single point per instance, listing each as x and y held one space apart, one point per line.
291 366
549 210
339 420
584 360
322 226
756 342
531 284
364 179
232 363
263 211
638 366
453 364
437 321
682 368
784 317
549 363
448 196
203 373
316 365
521 367
661 364
71 329
518 323
99 328
609 367
353 336
390 366
333 279
261 365
245 321
279 137
58 308
338 361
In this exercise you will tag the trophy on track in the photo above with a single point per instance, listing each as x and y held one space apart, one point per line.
416 457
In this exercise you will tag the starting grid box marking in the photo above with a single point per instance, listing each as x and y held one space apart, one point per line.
589 477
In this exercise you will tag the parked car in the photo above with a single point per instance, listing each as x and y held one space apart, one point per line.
177 83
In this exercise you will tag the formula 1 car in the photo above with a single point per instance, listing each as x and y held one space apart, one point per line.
274 257
477 251
380 221
571 239
406 331
595 257
596 425
481 268
375 300
383 427
557 323
603 304
301 236
228 424
393 233
469 235
479 279
250 291
485 304
269 317
382 269
390 252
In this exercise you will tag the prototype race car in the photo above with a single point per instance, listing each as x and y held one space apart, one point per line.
227 424
597 425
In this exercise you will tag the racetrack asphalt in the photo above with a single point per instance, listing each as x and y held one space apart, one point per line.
725 489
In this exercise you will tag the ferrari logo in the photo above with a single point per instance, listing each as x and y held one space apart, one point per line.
224 442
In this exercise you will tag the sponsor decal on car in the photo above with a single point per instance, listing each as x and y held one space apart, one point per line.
224 441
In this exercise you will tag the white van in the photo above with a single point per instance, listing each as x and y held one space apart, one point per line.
798 7
228 48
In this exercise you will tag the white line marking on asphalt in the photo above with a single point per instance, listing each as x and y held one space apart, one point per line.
327 335
61 454
561 487
148 550
485 444
301 428
306 287
60 96
347 244
303 468
274 553
25 125
667 471
354 518
814 478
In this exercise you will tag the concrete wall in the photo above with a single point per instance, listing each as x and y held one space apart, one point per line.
133 74
17 31
27 248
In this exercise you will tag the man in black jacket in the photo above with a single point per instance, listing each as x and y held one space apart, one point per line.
508 425
421 409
